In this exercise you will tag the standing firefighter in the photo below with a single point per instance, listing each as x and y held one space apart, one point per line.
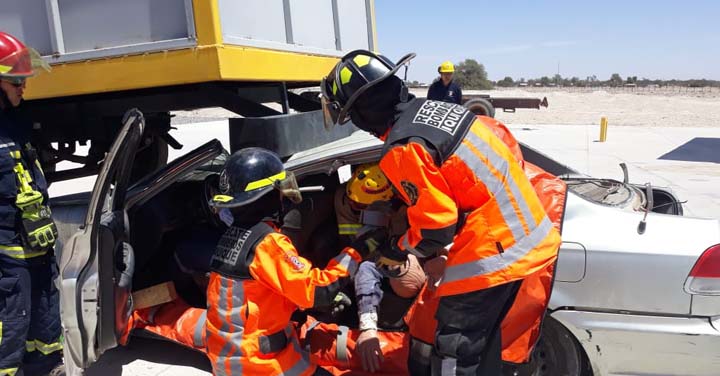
472 211
444 88
258 280
30 333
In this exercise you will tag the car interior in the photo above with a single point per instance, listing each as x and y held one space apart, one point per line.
175 233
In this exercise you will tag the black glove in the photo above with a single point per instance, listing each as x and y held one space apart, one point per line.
368 243
391 255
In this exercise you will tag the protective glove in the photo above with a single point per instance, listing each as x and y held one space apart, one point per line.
369 242
340 304
368 347
391 255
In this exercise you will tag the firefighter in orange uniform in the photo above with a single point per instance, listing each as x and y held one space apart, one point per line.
257 279
473 214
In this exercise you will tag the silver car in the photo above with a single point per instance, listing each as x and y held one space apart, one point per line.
635 291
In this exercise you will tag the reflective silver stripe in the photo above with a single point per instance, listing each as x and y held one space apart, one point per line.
234 339
199 328
347 262
341 344
495 186
496 160
303 364
500 261
7 145
448 366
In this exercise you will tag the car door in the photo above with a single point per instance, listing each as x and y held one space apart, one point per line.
96 264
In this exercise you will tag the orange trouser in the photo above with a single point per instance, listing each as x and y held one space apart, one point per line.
176 321
333 348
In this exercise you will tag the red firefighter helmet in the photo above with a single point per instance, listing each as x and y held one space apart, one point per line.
18 60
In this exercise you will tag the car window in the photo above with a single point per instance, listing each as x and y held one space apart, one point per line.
208 157
213 166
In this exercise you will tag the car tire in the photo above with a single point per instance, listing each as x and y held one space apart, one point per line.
557 353
480 106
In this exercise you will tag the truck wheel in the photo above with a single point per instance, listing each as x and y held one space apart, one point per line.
556 353
480 106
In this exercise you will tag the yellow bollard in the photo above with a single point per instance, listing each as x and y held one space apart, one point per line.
603 128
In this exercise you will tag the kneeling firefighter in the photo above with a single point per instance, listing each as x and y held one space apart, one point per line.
472 211
257 278
30 332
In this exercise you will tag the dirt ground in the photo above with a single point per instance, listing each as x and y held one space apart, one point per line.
668 108
672 107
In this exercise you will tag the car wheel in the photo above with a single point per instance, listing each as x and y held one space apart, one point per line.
557 353
480 106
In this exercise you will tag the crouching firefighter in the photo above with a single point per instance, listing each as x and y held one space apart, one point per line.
257 278
30 332
473 214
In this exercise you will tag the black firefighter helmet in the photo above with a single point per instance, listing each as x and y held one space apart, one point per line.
356 72
250 174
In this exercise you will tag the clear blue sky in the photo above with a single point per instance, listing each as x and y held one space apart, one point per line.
654 39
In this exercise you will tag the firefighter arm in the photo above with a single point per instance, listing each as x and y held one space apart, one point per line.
278 266
432 212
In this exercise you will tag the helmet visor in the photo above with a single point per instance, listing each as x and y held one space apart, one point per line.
288 187
22 63
330 112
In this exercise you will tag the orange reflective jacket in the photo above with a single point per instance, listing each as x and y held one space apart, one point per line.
251 298
521 326
470 174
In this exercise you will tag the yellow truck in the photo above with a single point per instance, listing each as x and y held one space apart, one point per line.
167 55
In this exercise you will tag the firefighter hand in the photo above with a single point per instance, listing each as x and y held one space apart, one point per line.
435 269
340 303
368 347
368 243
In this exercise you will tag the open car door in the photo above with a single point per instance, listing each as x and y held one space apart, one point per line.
96 264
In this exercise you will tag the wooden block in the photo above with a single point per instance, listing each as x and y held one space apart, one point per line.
155 295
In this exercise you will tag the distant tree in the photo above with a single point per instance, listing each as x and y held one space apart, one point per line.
545 80
615 79
575 81
506 82
470 74
557 79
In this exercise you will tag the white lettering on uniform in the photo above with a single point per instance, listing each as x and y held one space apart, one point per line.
229 246
441 115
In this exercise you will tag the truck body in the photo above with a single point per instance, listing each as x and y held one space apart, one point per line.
167 55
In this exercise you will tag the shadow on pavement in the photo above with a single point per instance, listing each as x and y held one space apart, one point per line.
145 356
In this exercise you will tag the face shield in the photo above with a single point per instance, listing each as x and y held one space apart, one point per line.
288 187
330 109
23 63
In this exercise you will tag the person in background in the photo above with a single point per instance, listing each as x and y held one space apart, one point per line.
444 88
30 331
